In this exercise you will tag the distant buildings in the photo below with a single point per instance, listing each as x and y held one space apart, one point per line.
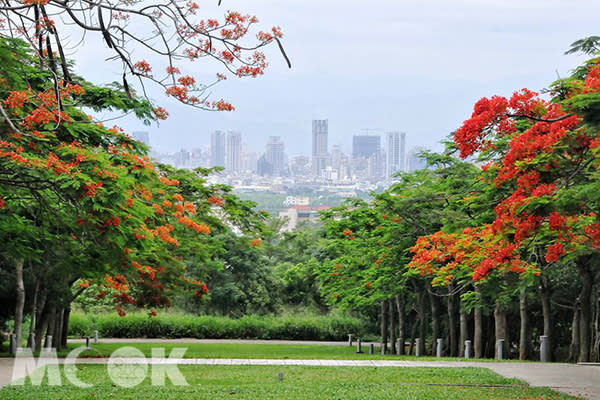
395 146
363 146
217 149
142 136
299 214
275 155
233 153
320 132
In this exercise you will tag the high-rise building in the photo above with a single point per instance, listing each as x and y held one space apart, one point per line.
233 162
413 161
376 164
263 167
275 155
395 146
320 131
142 136
364 146
217 149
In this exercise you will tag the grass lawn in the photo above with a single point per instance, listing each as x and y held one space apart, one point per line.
262 382
243 350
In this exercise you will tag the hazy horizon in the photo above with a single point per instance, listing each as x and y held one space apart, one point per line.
409 66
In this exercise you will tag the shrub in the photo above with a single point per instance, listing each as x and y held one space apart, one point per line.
178 325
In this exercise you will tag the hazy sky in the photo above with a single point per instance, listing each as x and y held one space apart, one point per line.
415 66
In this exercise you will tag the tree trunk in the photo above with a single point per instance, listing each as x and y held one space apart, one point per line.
524 346
401 323
421 312
452 337
574 348
435 320
57 339
585 317
500 329
596 332
478 330
33 314
20 302
393 326
41 319
384 324
545 296
65 327
464 330
51 323
413 333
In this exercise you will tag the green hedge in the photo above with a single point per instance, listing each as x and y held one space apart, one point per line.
172 325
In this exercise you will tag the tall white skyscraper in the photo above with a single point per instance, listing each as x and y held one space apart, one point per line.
217 149
320 131
396 150
233 162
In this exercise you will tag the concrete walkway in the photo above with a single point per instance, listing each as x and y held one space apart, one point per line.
225 341
577 380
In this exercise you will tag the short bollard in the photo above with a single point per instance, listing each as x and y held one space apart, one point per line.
400 346
95 337
350 340
500 347
418 347
87 342
13 344
48 342
545 355
383 349
371 348
438 348
358 346
31 341
467 349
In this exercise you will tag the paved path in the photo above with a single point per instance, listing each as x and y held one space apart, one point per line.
213 341
577 380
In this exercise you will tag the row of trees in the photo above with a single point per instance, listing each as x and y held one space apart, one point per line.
502 248
82 204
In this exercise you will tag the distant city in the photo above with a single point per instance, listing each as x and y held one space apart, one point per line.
328 173
370 161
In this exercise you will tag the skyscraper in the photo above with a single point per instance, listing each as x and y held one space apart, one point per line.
233 162
217 149
275 154
365 146
320 131
396 159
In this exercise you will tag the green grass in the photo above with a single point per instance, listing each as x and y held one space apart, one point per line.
262 382
254 351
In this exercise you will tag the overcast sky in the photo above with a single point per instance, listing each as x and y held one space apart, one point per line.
415 66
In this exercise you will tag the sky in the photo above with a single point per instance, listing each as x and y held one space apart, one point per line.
372 66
